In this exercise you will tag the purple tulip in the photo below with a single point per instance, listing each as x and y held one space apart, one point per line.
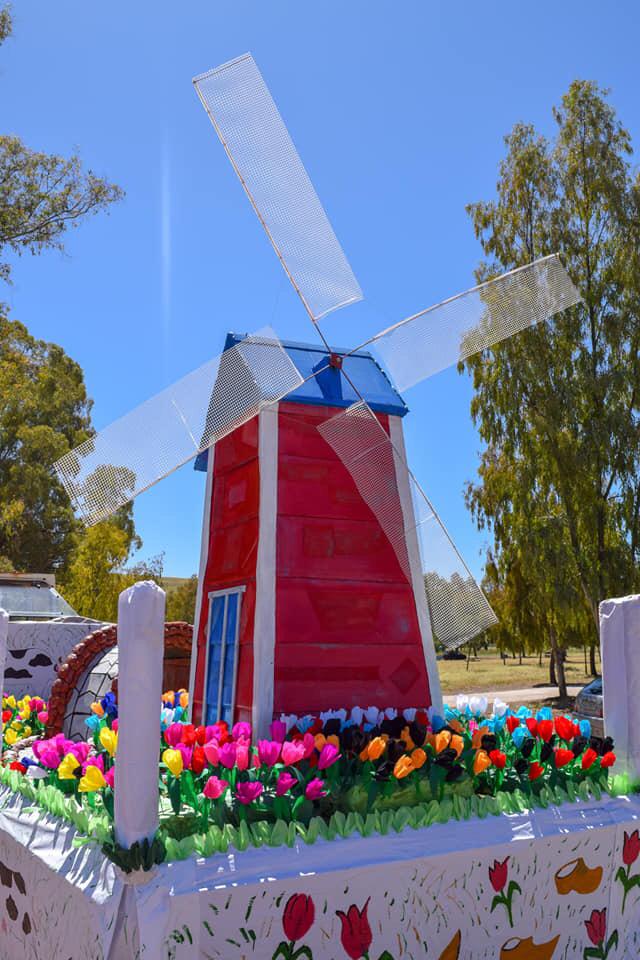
284 784
95 761
328 755
315 789
227 755
278 731
187 753
268 752
248 792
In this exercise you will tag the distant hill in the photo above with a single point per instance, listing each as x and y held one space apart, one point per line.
171 584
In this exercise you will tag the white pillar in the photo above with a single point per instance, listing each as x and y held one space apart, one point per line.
620 653
141 610
4 631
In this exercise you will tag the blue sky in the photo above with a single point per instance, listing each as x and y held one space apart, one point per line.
398 111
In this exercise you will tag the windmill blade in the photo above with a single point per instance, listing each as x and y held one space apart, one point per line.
168 430
469 322
458 608
263 155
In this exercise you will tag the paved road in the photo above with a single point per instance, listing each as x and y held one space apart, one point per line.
515 697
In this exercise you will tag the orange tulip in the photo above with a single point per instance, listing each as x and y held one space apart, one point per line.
406 736
375 749
482 762
456 725
457 744
476 741
403 767
418 758
443 739
320 741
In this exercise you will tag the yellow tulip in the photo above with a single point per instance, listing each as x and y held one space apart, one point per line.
375 749
403 767
10 736
418 758
172 759
168 695
11 702
481 762
109 740
184 699
457 744
16 724
443 739
68 766
92 780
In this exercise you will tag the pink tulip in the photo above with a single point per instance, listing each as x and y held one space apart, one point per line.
315 790
36 704
328 755
248 792
97 760
80 751
284 784
110 776
242 755
114 725
210 732
293 751
49 757
241 731
187 753
211 752
268 752
227 755
278 731
43 716
173 735
214 788
309 742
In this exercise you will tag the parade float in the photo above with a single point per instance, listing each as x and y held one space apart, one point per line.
308 795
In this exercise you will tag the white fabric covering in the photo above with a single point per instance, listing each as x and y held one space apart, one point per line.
141 610
620 652
4 630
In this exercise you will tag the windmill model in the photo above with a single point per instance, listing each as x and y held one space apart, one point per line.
326 574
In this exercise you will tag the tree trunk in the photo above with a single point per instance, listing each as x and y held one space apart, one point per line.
552 669
540 658
558 657
592 660
585 659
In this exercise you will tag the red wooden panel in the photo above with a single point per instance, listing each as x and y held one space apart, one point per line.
310 677
233 553
345 612
237 447
298 434
308 486
335 549
236 495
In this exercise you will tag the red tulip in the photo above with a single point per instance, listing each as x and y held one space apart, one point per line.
188 734
16 765
298 916
563 757
498 759
597 927
201 735
608 760
535 770
631 848
356 933
564 728
198 760
588 758
498 875
545 729
6 715
512 723
532 725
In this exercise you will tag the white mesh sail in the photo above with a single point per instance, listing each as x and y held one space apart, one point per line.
440 336
261 151
457 606
154 439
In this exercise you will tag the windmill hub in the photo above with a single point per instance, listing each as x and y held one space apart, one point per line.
335 361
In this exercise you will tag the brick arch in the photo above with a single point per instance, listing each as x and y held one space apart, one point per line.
177 645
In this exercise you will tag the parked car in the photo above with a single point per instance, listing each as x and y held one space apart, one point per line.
589 706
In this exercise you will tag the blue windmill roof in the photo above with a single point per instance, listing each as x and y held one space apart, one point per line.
329 388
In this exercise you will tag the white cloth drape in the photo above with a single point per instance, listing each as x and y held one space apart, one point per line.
4 631
141 610
620 652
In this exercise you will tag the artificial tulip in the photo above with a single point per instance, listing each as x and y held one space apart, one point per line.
214 788
292 752
418 758
563 757
588 758
68 767
481 762
109 740
376 748
92 780
172 759
284 783
404 766
246 793
315 789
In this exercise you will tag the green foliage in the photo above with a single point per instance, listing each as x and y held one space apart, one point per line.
181 601
5 23
557 406
140 856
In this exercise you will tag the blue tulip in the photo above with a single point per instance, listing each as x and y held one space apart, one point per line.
437 723
585 728
545 713
519 735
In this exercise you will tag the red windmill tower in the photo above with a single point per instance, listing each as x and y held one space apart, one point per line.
325 572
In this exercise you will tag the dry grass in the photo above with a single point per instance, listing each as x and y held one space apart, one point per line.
489 672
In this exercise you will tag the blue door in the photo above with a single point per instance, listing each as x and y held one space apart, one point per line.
222 656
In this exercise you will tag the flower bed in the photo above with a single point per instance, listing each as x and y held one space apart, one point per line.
368 771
